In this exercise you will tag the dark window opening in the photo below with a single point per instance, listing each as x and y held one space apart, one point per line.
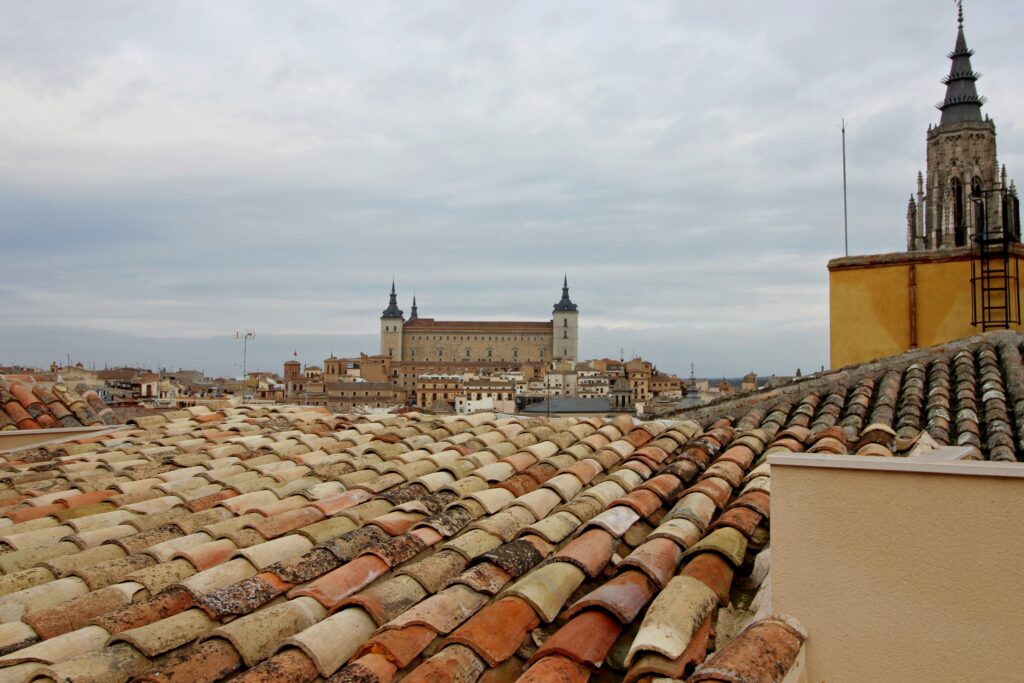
959 229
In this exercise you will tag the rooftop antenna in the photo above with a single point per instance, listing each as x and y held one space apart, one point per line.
245 337
846 228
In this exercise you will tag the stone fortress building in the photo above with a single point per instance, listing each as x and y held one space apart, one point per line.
426 340
966 191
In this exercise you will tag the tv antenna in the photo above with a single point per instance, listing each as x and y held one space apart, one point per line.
245 337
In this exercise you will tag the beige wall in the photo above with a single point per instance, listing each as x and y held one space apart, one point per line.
909 575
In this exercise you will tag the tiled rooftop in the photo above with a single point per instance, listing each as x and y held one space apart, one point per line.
291 544
964 393
27 404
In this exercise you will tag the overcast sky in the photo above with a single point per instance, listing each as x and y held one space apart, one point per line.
171 172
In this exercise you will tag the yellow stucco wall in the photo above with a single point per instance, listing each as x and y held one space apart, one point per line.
895 581
868 314
869 304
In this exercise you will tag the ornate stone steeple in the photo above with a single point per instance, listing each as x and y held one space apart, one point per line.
393 311
414 314
948 210
962 102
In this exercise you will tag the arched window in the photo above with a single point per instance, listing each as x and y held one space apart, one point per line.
956 188
565 334
978 202
565 322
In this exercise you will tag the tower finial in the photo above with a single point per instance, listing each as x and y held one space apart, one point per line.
392 311
565 304
960 13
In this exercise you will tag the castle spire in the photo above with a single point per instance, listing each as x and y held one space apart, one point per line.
565 305
393 311
414 314
962 102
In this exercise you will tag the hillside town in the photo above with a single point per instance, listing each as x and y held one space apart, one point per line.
366 384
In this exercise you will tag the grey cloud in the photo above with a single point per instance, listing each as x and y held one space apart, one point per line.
179 170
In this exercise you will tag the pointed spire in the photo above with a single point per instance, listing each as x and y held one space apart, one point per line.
393 311
565 305
962 102
414 314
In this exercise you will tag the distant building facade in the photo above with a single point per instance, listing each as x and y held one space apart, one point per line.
429 341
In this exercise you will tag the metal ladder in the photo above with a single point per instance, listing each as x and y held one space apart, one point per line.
995 276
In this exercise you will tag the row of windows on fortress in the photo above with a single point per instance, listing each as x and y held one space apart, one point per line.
436 337
490 353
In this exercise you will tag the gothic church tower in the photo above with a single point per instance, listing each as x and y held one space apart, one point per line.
962 166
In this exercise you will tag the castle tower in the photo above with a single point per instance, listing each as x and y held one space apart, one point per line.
962 163
565 327
392 320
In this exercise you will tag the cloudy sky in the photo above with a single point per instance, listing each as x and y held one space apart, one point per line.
171 172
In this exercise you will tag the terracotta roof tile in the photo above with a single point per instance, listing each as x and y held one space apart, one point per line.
455 663
417 549
331 642
763 653
333 587
590 551
653 664
443 611
585 639
623 597
556 669
210 660
400 645
496 631
673 618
